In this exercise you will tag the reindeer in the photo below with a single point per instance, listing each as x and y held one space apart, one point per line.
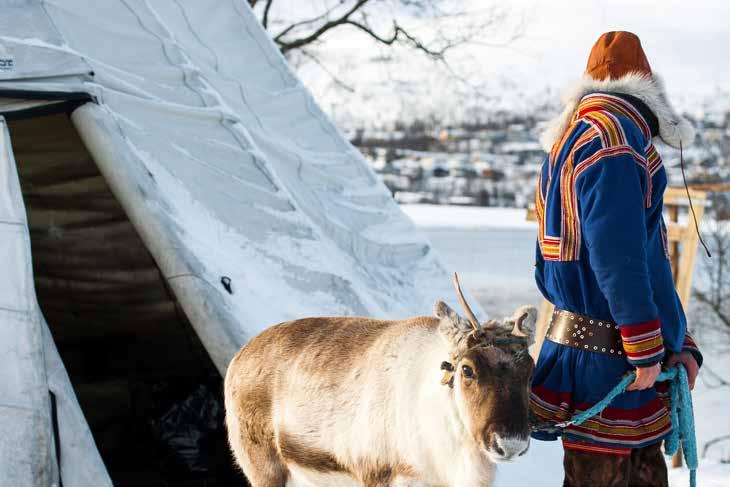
340 401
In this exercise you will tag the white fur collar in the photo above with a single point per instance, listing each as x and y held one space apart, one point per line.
673 128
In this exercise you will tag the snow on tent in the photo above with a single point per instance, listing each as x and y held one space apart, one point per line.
168 189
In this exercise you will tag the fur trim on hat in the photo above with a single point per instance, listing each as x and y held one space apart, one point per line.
673 128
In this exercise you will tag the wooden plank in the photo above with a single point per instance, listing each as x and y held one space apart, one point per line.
676 232
709 187
531 215
678 196
673 213
683 279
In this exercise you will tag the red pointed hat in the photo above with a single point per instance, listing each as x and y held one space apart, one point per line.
617 54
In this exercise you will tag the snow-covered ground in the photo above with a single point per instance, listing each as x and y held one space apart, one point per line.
493 251
471 217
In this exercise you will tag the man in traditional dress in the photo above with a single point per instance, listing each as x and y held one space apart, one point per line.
603 261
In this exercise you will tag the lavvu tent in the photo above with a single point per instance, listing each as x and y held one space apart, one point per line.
168 188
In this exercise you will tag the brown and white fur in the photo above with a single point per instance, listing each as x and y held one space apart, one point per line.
358 401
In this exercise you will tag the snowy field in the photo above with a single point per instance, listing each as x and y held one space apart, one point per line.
493 249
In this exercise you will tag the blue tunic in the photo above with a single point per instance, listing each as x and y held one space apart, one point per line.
602 251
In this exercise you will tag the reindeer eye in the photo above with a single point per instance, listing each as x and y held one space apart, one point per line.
467 371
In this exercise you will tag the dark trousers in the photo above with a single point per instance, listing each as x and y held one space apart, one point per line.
644 467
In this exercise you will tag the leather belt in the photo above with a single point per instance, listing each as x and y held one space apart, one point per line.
585 333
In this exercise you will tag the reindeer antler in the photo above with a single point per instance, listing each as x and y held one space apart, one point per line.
469 313
523 319
517 330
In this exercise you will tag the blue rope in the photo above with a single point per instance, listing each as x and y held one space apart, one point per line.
681 414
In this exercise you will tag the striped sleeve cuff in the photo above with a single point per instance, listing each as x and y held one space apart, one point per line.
690 345
643 343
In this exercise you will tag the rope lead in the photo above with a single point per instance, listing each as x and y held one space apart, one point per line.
681 414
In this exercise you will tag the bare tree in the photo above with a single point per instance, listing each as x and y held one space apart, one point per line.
440 31
381 20
711 313
713 291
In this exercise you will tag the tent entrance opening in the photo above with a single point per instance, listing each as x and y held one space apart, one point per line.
146 385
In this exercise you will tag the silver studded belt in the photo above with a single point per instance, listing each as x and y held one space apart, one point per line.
585 333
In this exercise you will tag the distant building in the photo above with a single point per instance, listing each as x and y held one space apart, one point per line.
495 163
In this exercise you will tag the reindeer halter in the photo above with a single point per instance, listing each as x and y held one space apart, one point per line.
492 334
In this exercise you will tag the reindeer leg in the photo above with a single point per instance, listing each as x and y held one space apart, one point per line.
263 465
252 441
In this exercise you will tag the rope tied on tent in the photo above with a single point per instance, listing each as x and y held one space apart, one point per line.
681 414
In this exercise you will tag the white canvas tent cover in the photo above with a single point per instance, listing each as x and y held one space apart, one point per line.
225 166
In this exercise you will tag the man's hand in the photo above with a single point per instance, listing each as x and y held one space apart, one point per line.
645 377
689 362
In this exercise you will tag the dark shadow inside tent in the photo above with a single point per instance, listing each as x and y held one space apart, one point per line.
150 393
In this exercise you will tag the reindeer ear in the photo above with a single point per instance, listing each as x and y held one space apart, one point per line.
448 315
523 322
441 309
453 328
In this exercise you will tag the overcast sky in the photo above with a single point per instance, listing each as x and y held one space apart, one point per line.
687 42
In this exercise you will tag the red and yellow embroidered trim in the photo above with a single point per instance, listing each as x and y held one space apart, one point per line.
615 104
689 343
609 128
623 428
600 112
549 246
653 159
570 235
643 342
592 448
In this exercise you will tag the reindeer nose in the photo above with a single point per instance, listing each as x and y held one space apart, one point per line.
506 448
